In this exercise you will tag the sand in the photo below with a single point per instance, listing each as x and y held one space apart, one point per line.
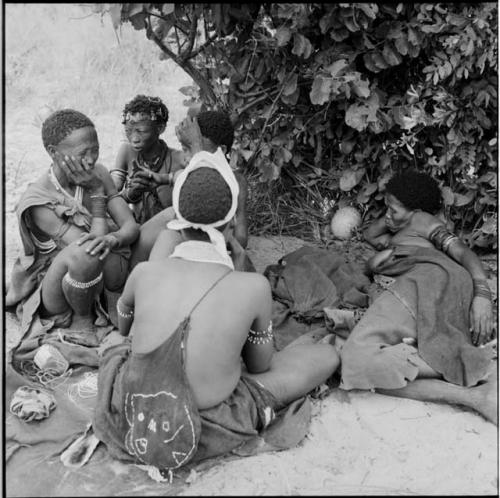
359 442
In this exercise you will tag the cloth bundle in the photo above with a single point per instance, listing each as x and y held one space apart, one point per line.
31 404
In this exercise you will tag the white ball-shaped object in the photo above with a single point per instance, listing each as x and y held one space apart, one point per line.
344 221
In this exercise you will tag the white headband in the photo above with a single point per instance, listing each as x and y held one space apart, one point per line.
218 162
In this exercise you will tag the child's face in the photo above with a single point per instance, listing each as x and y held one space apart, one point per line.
142 133
397 215
81 144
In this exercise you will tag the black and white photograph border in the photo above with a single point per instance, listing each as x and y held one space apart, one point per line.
86 57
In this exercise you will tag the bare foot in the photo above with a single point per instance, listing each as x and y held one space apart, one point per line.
484 399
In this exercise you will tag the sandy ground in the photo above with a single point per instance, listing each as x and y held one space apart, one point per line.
359 442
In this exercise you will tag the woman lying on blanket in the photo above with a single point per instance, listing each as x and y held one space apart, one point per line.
434 320
75 229
179 392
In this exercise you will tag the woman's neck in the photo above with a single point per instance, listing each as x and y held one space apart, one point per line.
194 234
62 179
154 151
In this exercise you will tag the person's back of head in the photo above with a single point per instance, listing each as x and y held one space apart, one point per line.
415 190
60 124
217 127
205 197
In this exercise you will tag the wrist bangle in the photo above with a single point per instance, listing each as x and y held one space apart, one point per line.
98 206
481 288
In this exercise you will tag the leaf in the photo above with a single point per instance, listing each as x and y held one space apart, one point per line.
361 88
320 91
138 20
401 44
390 56
290 85
350 178
301 46
463 200
134 8
358 116
283 36
369 64
167 8
346 146
335 68
490 226
247 154
369 9
448 196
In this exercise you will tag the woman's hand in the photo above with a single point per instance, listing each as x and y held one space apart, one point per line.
379 259
481 320
101 245
79 173
189 135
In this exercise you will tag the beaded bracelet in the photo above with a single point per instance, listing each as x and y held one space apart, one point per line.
121 312
481 288
98 206
262 336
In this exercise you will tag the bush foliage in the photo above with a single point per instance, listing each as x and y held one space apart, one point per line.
331 99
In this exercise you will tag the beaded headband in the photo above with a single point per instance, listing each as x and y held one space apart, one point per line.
159 114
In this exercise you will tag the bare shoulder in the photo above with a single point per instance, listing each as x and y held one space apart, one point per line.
178 159
252 282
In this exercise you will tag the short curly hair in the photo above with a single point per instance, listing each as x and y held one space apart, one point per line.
147 105
61 123
204 197
217 126
416 190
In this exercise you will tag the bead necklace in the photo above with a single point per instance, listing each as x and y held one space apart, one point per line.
78 197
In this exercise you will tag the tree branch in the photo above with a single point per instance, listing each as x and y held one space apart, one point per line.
205 88
192 37
194 53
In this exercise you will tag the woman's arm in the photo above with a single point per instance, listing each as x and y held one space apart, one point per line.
125 305
258 349
433 229
377 234
241 225
120 212
165 244
120 172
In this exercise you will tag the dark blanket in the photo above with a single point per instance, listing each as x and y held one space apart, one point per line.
310 279
437 292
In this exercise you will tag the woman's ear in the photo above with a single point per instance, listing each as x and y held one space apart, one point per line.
51 149
161 128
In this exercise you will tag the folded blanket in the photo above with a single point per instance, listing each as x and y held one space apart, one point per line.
310 279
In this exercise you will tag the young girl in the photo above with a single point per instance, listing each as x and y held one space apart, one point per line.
145 166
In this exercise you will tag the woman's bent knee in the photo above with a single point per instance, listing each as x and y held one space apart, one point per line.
82 265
